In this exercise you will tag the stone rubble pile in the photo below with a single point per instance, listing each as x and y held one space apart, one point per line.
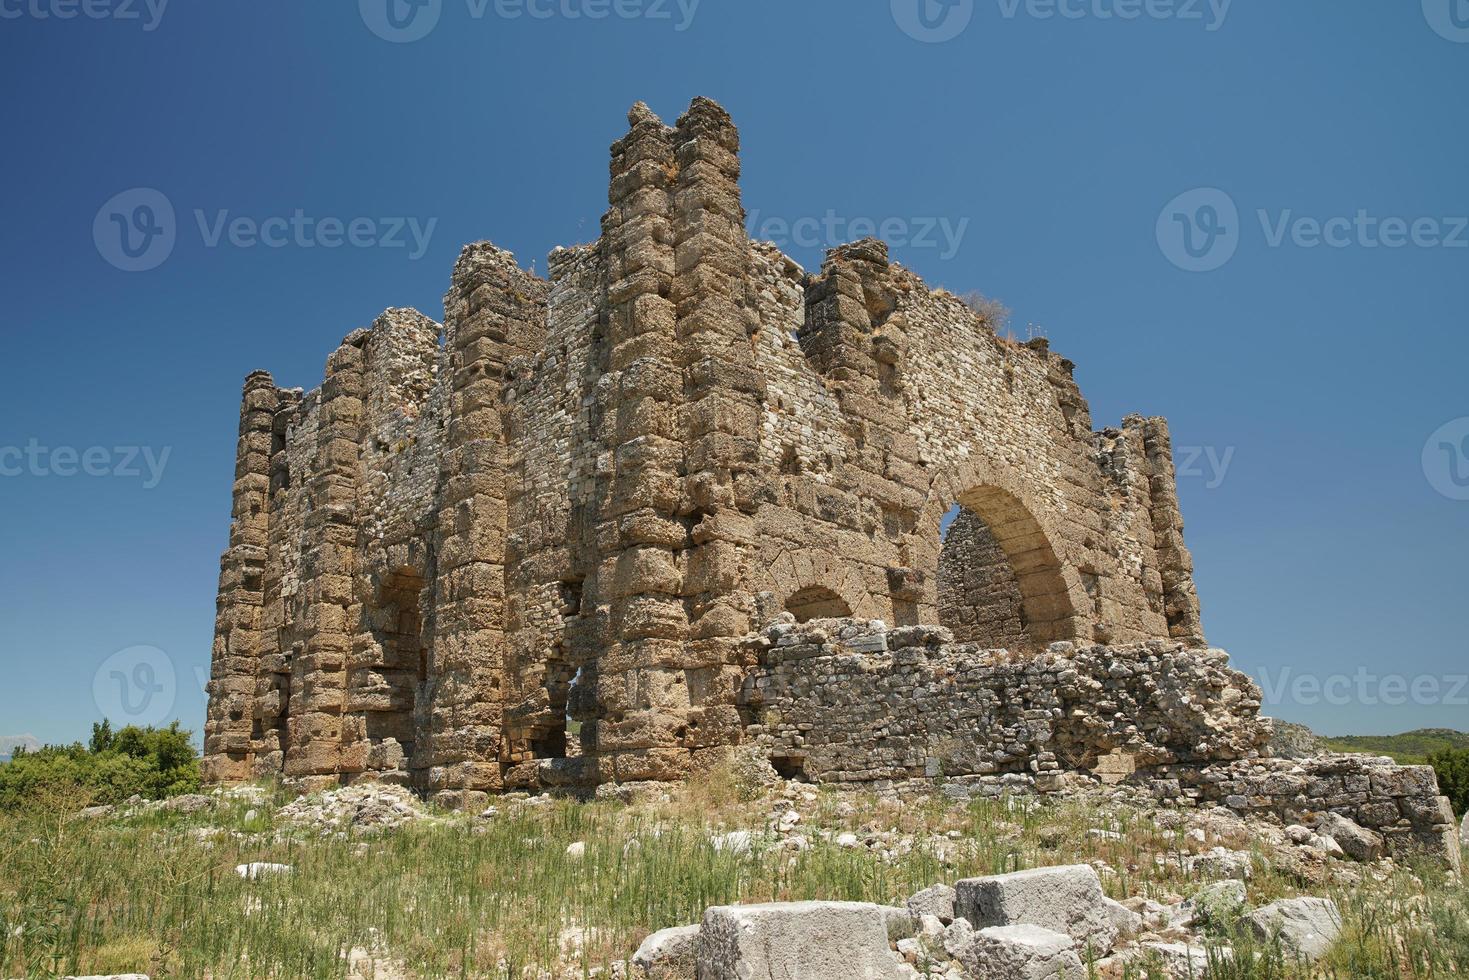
1030 925
365 807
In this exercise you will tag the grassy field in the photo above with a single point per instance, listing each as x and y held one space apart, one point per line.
466 896
1409 749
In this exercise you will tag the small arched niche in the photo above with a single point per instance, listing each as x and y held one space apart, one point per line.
816 602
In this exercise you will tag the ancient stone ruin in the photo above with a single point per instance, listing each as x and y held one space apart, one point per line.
541 545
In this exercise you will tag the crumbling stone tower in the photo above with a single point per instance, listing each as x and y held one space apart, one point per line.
527 548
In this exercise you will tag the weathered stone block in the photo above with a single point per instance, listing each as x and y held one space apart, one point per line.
1021 952
810 940
1065 899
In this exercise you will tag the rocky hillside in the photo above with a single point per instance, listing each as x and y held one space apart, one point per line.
1409 749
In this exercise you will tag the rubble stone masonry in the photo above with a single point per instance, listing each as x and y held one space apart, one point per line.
529 547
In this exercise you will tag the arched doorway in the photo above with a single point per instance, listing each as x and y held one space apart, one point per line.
999 582
979 596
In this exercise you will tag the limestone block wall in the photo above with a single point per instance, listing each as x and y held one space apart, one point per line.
1402 803
854 701
851 702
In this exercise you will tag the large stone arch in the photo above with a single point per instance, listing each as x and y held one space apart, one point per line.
1053 593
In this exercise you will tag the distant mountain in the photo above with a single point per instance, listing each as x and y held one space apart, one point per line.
9 743
1409 749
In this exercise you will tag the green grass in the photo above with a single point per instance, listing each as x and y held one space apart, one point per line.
464 897
1409 749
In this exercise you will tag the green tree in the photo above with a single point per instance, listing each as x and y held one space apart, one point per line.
1452 766
101 736
149 762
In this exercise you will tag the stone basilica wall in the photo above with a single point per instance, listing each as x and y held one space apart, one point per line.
530 545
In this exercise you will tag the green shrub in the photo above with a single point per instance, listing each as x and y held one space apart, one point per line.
1452 766
150 762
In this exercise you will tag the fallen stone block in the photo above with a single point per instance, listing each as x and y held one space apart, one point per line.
189 803
1066 899
1221 862
670 954
810 940
1128 922
1306 927
956 937
937 901
1021 953
1154 915
735 842
1359 843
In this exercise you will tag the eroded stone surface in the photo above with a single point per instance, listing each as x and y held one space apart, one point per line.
1067 900
669 954
1021 952
811 940
937 901
1305 926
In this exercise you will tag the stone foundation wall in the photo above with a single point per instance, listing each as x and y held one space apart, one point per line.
847 701
856 703
1402 803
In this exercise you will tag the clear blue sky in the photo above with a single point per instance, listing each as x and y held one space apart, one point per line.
1056 145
